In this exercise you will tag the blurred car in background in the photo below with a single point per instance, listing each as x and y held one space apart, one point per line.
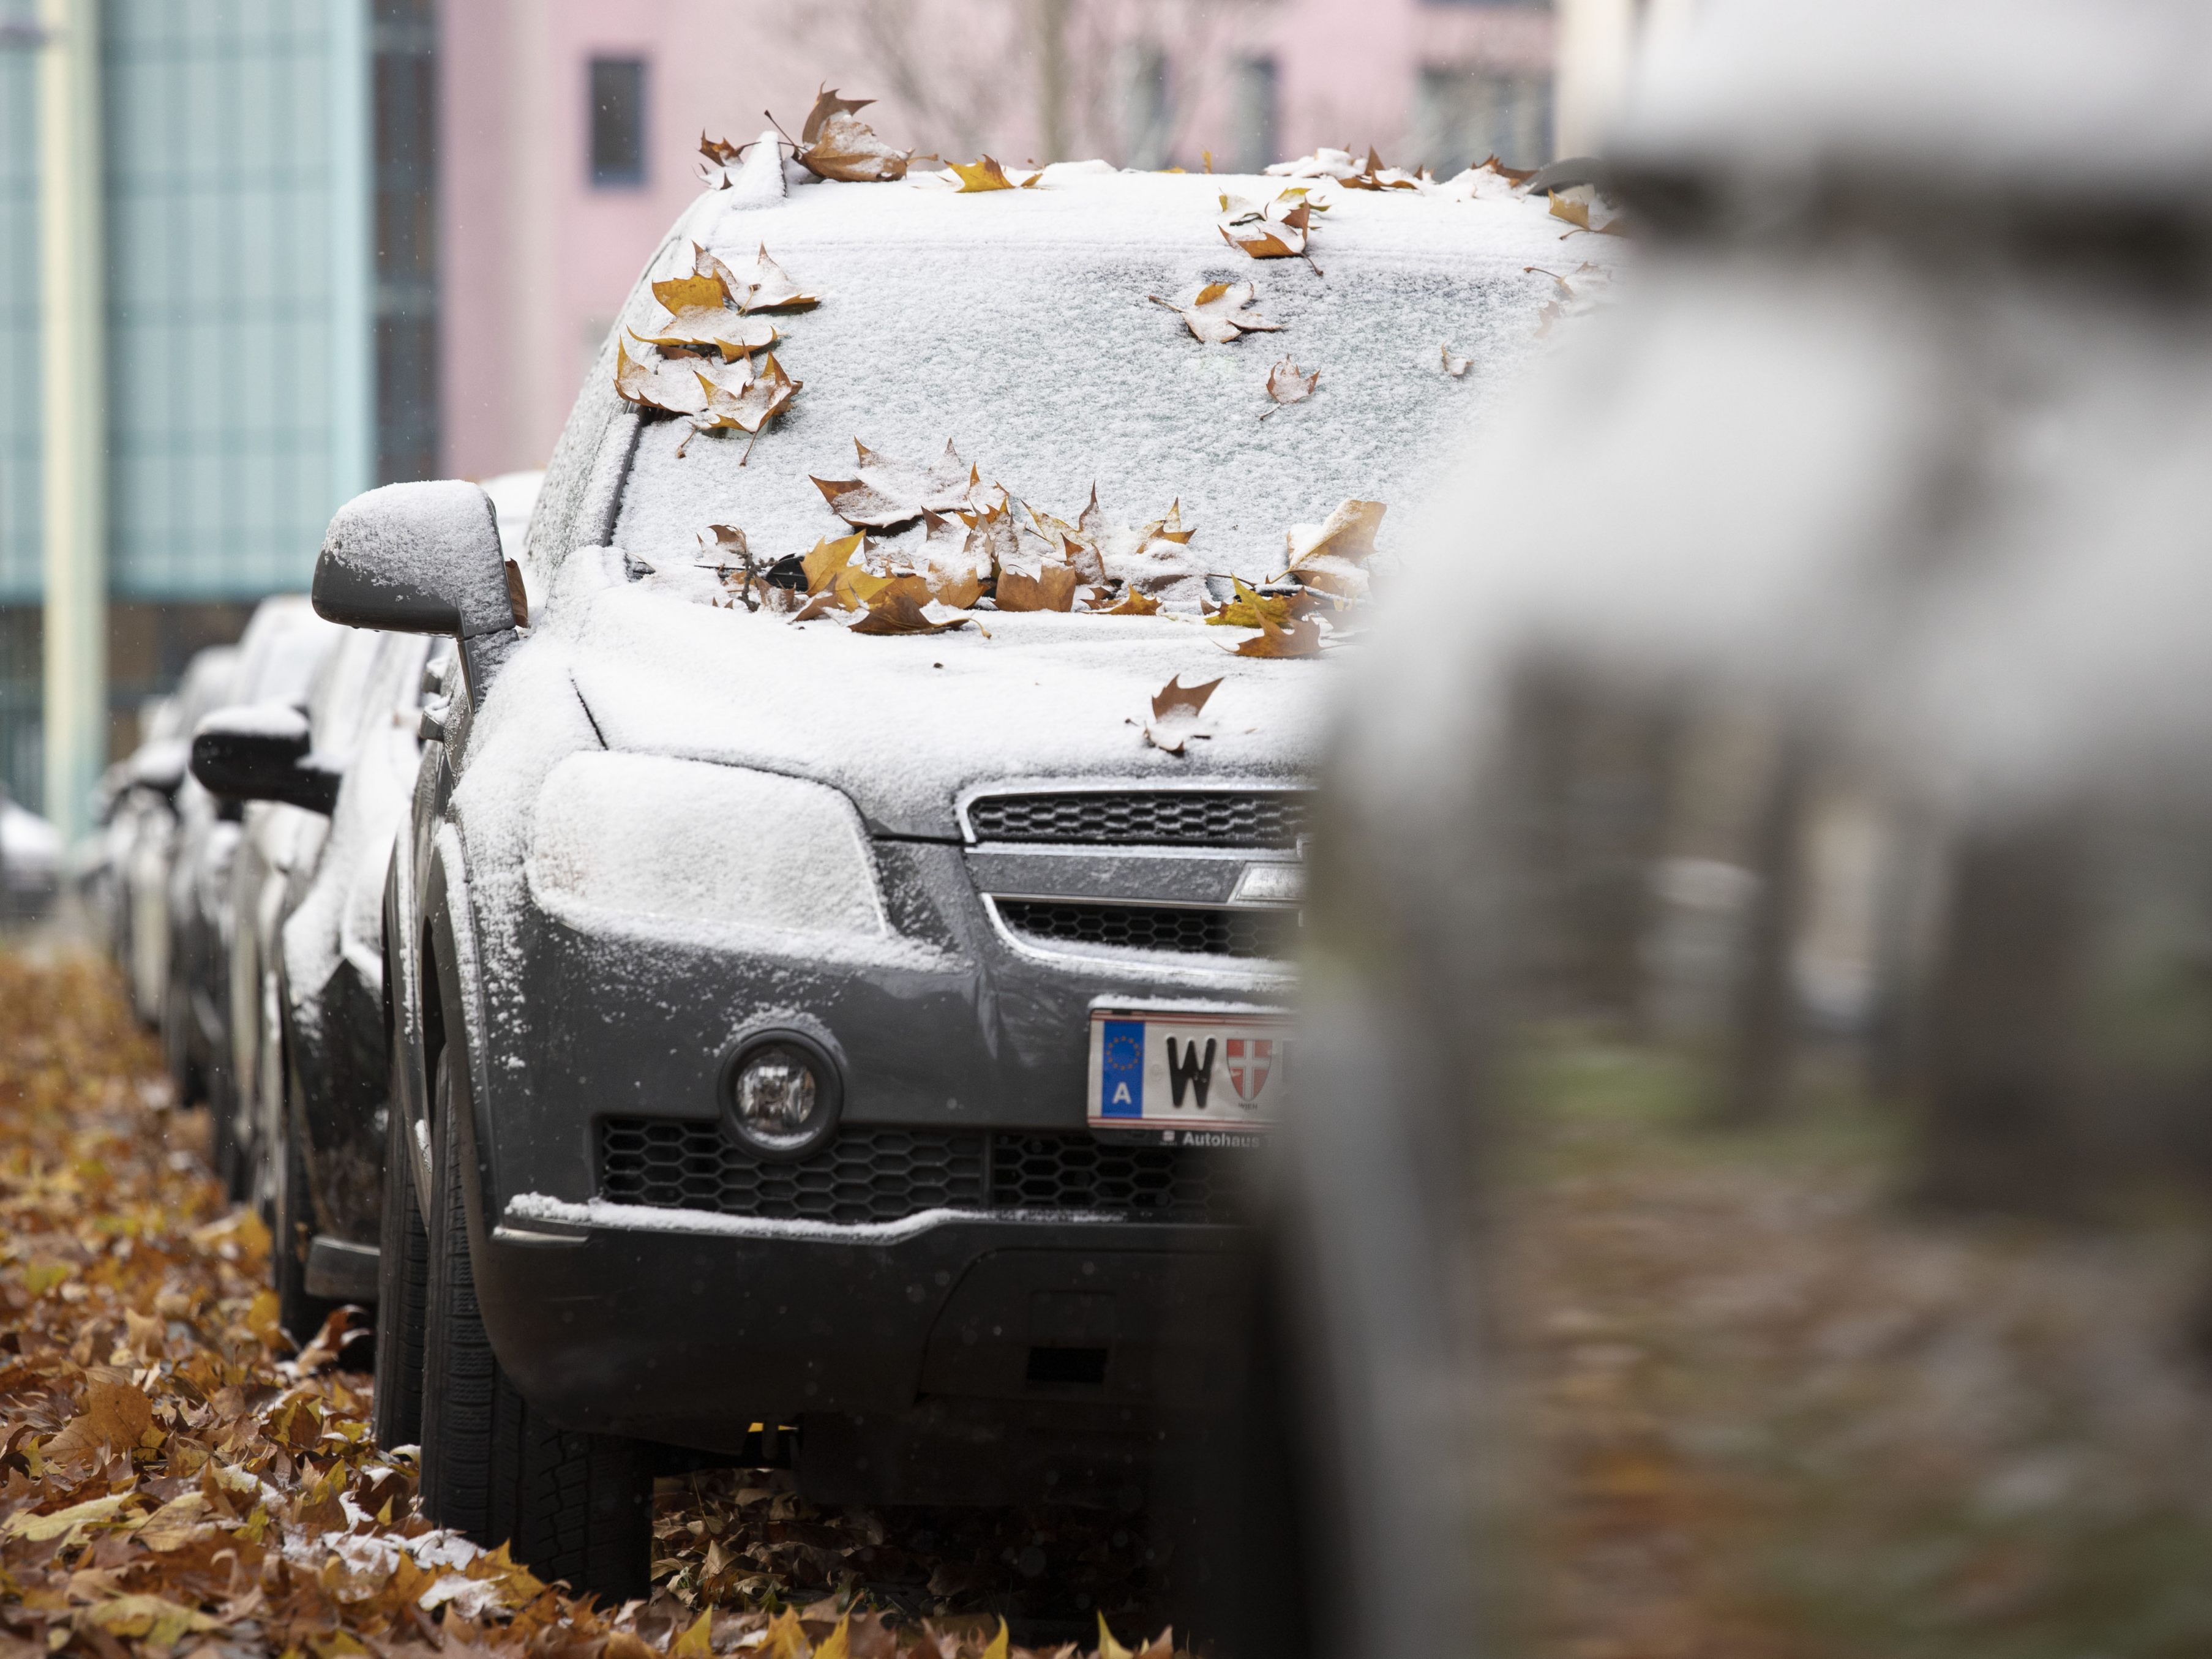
274 662
30 863
326 793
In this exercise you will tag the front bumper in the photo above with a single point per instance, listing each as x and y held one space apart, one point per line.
686 1328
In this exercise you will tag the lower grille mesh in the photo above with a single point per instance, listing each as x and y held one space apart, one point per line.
873 1174
1189 929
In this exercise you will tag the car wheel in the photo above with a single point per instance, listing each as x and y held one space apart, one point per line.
300 1313
403 1275
573 1506
222 1124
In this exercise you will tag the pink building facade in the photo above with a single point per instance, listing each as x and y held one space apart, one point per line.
569 129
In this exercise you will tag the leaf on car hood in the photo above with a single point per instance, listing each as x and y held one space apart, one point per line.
985 174
1577 214
1332 556
1216 314
888 493
1375 176
834 144
1287 385
1174 723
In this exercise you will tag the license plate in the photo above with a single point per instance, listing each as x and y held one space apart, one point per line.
1186 1072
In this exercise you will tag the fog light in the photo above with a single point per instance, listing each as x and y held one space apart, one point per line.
781 1095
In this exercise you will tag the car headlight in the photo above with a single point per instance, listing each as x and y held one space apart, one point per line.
643 835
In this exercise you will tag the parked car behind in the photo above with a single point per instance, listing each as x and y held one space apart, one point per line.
863 1028
318 855
30 862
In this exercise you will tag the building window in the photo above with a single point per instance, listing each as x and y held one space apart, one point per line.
617 122
1464 115
1257 114
1147 118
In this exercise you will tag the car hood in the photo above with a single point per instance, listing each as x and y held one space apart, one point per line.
903 725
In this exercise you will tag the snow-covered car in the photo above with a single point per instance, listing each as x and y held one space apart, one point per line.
283 648
835 983
30 862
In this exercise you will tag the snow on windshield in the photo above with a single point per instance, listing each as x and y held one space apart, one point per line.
1019 325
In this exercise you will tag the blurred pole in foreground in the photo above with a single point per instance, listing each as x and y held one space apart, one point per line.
72 313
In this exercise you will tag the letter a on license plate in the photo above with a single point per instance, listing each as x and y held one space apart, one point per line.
1196 1071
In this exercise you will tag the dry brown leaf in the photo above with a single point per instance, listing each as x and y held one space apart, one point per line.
718 170
834 144
904 604
1518 175
1215 313
1287 385
1279 229
769 288
1332 556
1133 603
1454 365
651 379
700 319
1375 176
1035 585
1173 724
753 407
1578 215
1299 637
889 493
985 174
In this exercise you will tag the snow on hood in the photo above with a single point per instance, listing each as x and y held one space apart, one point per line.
1045 695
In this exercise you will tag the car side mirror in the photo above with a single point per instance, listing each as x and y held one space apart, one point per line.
259 751
417 558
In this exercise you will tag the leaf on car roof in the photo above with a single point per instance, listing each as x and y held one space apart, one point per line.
718 170
888 493
1176 708
1286 384
1216 314
1332 556
1454 365
834 144
985 174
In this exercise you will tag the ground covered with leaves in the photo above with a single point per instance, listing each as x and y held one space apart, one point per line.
1776 1411
174 1478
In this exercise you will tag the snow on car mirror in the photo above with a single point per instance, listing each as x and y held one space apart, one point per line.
417 558
259 751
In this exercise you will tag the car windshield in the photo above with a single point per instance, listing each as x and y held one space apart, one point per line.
1021 328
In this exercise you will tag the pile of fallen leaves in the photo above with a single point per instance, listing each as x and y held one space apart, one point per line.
173 1479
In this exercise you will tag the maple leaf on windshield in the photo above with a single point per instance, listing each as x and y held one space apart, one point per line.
1332 556
1454 365
746 405
905 605
1148 559
1287 385
700 319
651 379
1175 718
987 174
1216 313
1285 621
769 288
1273 230
889 493
834 144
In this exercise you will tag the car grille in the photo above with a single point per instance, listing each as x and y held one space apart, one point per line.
1157 817
874 1173
1191 929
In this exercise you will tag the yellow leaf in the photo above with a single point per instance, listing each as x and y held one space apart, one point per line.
987 174
1000 1643
835 143
693 1642
160 1622
838 1644
1332 556
37 1529
1108 1647
783 1640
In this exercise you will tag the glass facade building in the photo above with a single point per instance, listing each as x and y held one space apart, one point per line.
244 318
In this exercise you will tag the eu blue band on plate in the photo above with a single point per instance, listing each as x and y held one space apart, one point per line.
1121 1069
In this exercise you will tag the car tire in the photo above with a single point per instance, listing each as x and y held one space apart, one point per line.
403 1274
293 1224
569 1505
223 1127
